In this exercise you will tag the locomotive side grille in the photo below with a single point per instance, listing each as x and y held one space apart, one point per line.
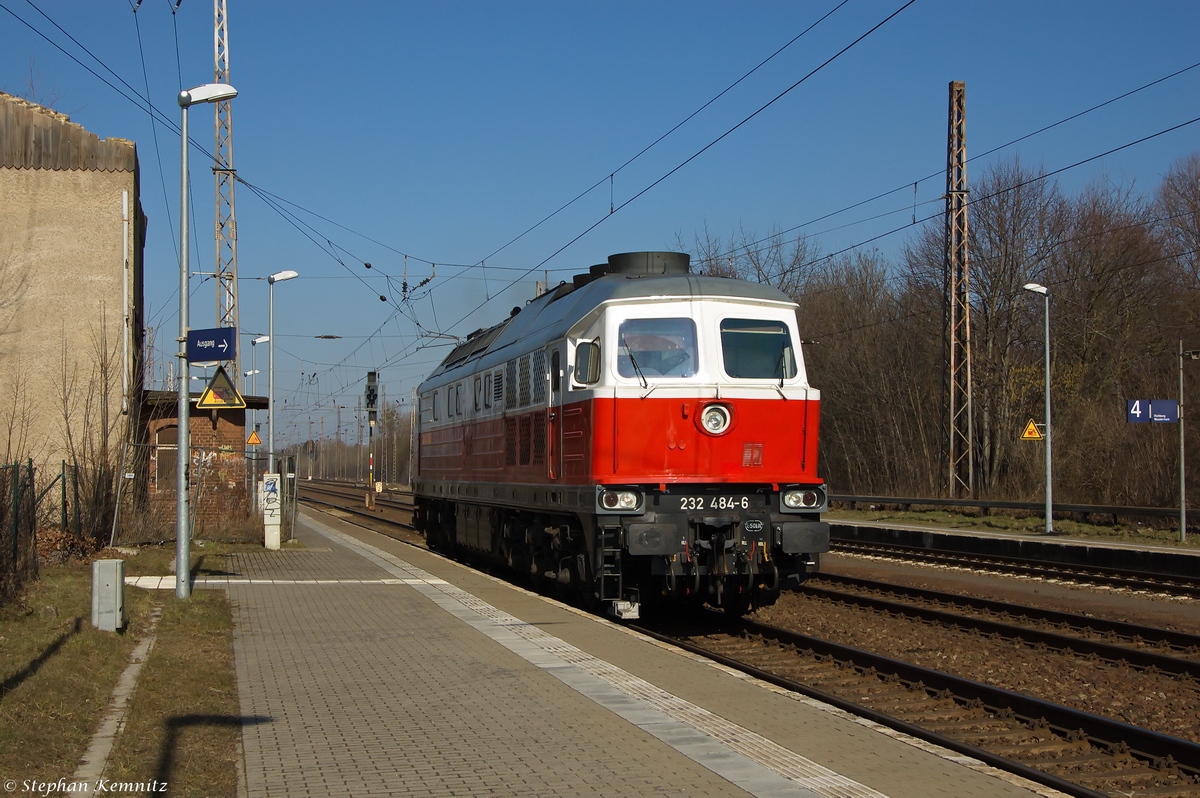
539 439
525 440
539 376
510 385
498 388
510 441
524 384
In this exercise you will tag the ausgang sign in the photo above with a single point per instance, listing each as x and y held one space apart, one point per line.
212 346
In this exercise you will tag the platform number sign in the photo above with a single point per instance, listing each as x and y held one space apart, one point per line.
1161 411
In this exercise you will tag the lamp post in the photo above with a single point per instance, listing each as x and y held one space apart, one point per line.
1191 354
208 93
1041 289
262 339
278 277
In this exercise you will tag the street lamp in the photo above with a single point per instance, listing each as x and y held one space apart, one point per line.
262 339
1041 289
278 277
1191 354
208 93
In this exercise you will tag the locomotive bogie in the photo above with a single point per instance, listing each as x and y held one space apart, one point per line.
634 435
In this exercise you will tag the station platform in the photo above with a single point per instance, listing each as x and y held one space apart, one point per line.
369 667
1085 552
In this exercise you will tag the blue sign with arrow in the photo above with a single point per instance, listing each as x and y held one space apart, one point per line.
212 346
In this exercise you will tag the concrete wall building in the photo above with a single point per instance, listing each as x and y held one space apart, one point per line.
71 240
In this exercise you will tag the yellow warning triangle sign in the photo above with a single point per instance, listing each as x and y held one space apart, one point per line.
220 394
1031 433
254 440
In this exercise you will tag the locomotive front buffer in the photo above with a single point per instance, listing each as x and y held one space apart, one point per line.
732 546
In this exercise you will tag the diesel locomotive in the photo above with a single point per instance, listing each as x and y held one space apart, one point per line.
638 434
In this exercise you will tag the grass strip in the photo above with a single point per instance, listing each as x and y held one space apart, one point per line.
57 674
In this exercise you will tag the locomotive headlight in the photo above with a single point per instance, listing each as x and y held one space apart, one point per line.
620 500
801 499
715 419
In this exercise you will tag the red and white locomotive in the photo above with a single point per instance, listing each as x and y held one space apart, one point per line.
641 432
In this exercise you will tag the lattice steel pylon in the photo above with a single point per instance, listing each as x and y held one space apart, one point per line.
958 300
226 224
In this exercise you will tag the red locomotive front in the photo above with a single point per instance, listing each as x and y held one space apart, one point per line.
638 433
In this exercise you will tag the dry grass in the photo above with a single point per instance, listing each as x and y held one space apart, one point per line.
183 723
182 726
58 672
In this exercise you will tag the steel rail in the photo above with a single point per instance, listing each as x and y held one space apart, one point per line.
395 504
1151 634
1106 651
1151 747
1137 580
882 718
987 504
1143 743
352 511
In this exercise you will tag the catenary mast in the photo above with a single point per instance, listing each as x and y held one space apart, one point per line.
226 224
958 299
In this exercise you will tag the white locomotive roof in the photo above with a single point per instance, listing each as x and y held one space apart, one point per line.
551 316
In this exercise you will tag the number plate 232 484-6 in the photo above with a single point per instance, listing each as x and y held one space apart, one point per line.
719 503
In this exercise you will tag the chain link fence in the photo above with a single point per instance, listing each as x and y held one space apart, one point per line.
18 520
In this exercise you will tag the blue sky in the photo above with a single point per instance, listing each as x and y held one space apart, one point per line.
442 131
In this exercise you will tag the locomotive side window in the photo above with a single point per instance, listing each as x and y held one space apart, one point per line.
457 400
487 390
656 348
434 404
555 372
757 349
478 394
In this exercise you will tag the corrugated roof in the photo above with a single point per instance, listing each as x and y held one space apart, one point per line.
35 137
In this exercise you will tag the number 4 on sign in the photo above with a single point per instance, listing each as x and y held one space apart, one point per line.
1031 433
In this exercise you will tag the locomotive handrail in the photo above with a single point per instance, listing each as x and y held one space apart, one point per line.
984 505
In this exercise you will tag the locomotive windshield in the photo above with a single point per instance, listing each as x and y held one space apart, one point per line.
757 349
656 348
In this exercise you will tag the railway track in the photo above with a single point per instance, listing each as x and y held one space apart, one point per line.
1075 752
1138 581
1133 645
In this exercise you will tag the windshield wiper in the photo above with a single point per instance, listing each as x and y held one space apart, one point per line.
633 361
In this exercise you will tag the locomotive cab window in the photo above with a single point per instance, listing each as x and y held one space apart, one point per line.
757 349
656 348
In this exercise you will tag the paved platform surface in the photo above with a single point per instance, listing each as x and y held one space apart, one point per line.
367 667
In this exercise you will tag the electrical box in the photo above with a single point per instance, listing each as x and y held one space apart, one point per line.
108 595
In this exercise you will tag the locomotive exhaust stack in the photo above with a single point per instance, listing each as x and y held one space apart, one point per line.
622 439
